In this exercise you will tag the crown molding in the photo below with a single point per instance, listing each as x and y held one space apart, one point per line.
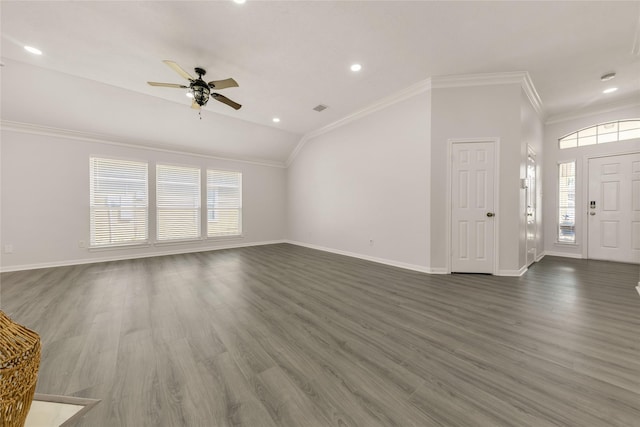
409 92
28 128
515 77
532 94
607 108
487 79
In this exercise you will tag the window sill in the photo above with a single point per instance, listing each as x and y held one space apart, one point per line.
565 243
118 247
222 238
178 242
166 243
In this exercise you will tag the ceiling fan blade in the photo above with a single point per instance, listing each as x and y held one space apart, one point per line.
222 84
226 100
168 85
178 69
195 105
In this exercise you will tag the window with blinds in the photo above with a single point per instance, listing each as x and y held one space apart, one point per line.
567 202
178 202
224 203
118 202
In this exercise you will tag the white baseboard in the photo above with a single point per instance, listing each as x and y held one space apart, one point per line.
563 254
540 256
513 273
131 256
407 266
638 288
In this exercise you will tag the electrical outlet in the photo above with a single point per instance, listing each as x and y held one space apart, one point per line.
82 244
8 248
370 242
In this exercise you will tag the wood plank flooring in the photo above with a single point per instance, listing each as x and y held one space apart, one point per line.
282 335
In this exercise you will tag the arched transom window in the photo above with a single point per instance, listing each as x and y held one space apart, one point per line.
621 130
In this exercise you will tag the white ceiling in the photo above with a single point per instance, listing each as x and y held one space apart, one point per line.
290 56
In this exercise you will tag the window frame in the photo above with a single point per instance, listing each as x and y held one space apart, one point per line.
158 209
145 241
592 133
220 199
559 206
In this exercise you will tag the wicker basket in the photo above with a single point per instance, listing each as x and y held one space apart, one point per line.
19 362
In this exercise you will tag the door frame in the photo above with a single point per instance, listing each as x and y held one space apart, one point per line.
496 197
531 154
585 193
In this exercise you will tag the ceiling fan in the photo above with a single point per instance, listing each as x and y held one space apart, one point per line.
200 89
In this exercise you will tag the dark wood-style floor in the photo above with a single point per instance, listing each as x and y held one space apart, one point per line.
281 335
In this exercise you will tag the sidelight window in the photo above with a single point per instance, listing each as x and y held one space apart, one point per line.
567 202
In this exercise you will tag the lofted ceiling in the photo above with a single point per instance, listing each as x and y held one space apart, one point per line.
288 57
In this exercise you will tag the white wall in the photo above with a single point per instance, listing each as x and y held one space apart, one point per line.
45 200
368 179
553 155
383 177
492 111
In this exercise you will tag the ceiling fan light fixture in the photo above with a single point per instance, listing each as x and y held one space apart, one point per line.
356 67
198 89
201 94
276 120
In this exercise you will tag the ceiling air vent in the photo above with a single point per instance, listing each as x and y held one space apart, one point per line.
320 107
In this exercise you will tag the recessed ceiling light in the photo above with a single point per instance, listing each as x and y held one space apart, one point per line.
189 95
607 77
239 1
276 120
33 50
356 67
611 89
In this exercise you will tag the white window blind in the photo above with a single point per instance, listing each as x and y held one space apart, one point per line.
178 202
118 202
224 203
567 202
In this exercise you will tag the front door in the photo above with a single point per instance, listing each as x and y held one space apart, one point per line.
614 208
472 207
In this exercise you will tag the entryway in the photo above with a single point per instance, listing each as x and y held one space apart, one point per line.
614 208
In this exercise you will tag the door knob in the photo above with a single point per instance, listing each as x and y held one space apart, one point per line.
490 214
592 213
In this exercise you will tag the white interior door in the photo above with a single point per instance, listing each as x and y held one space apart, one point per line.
614 208
531 209
472 207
